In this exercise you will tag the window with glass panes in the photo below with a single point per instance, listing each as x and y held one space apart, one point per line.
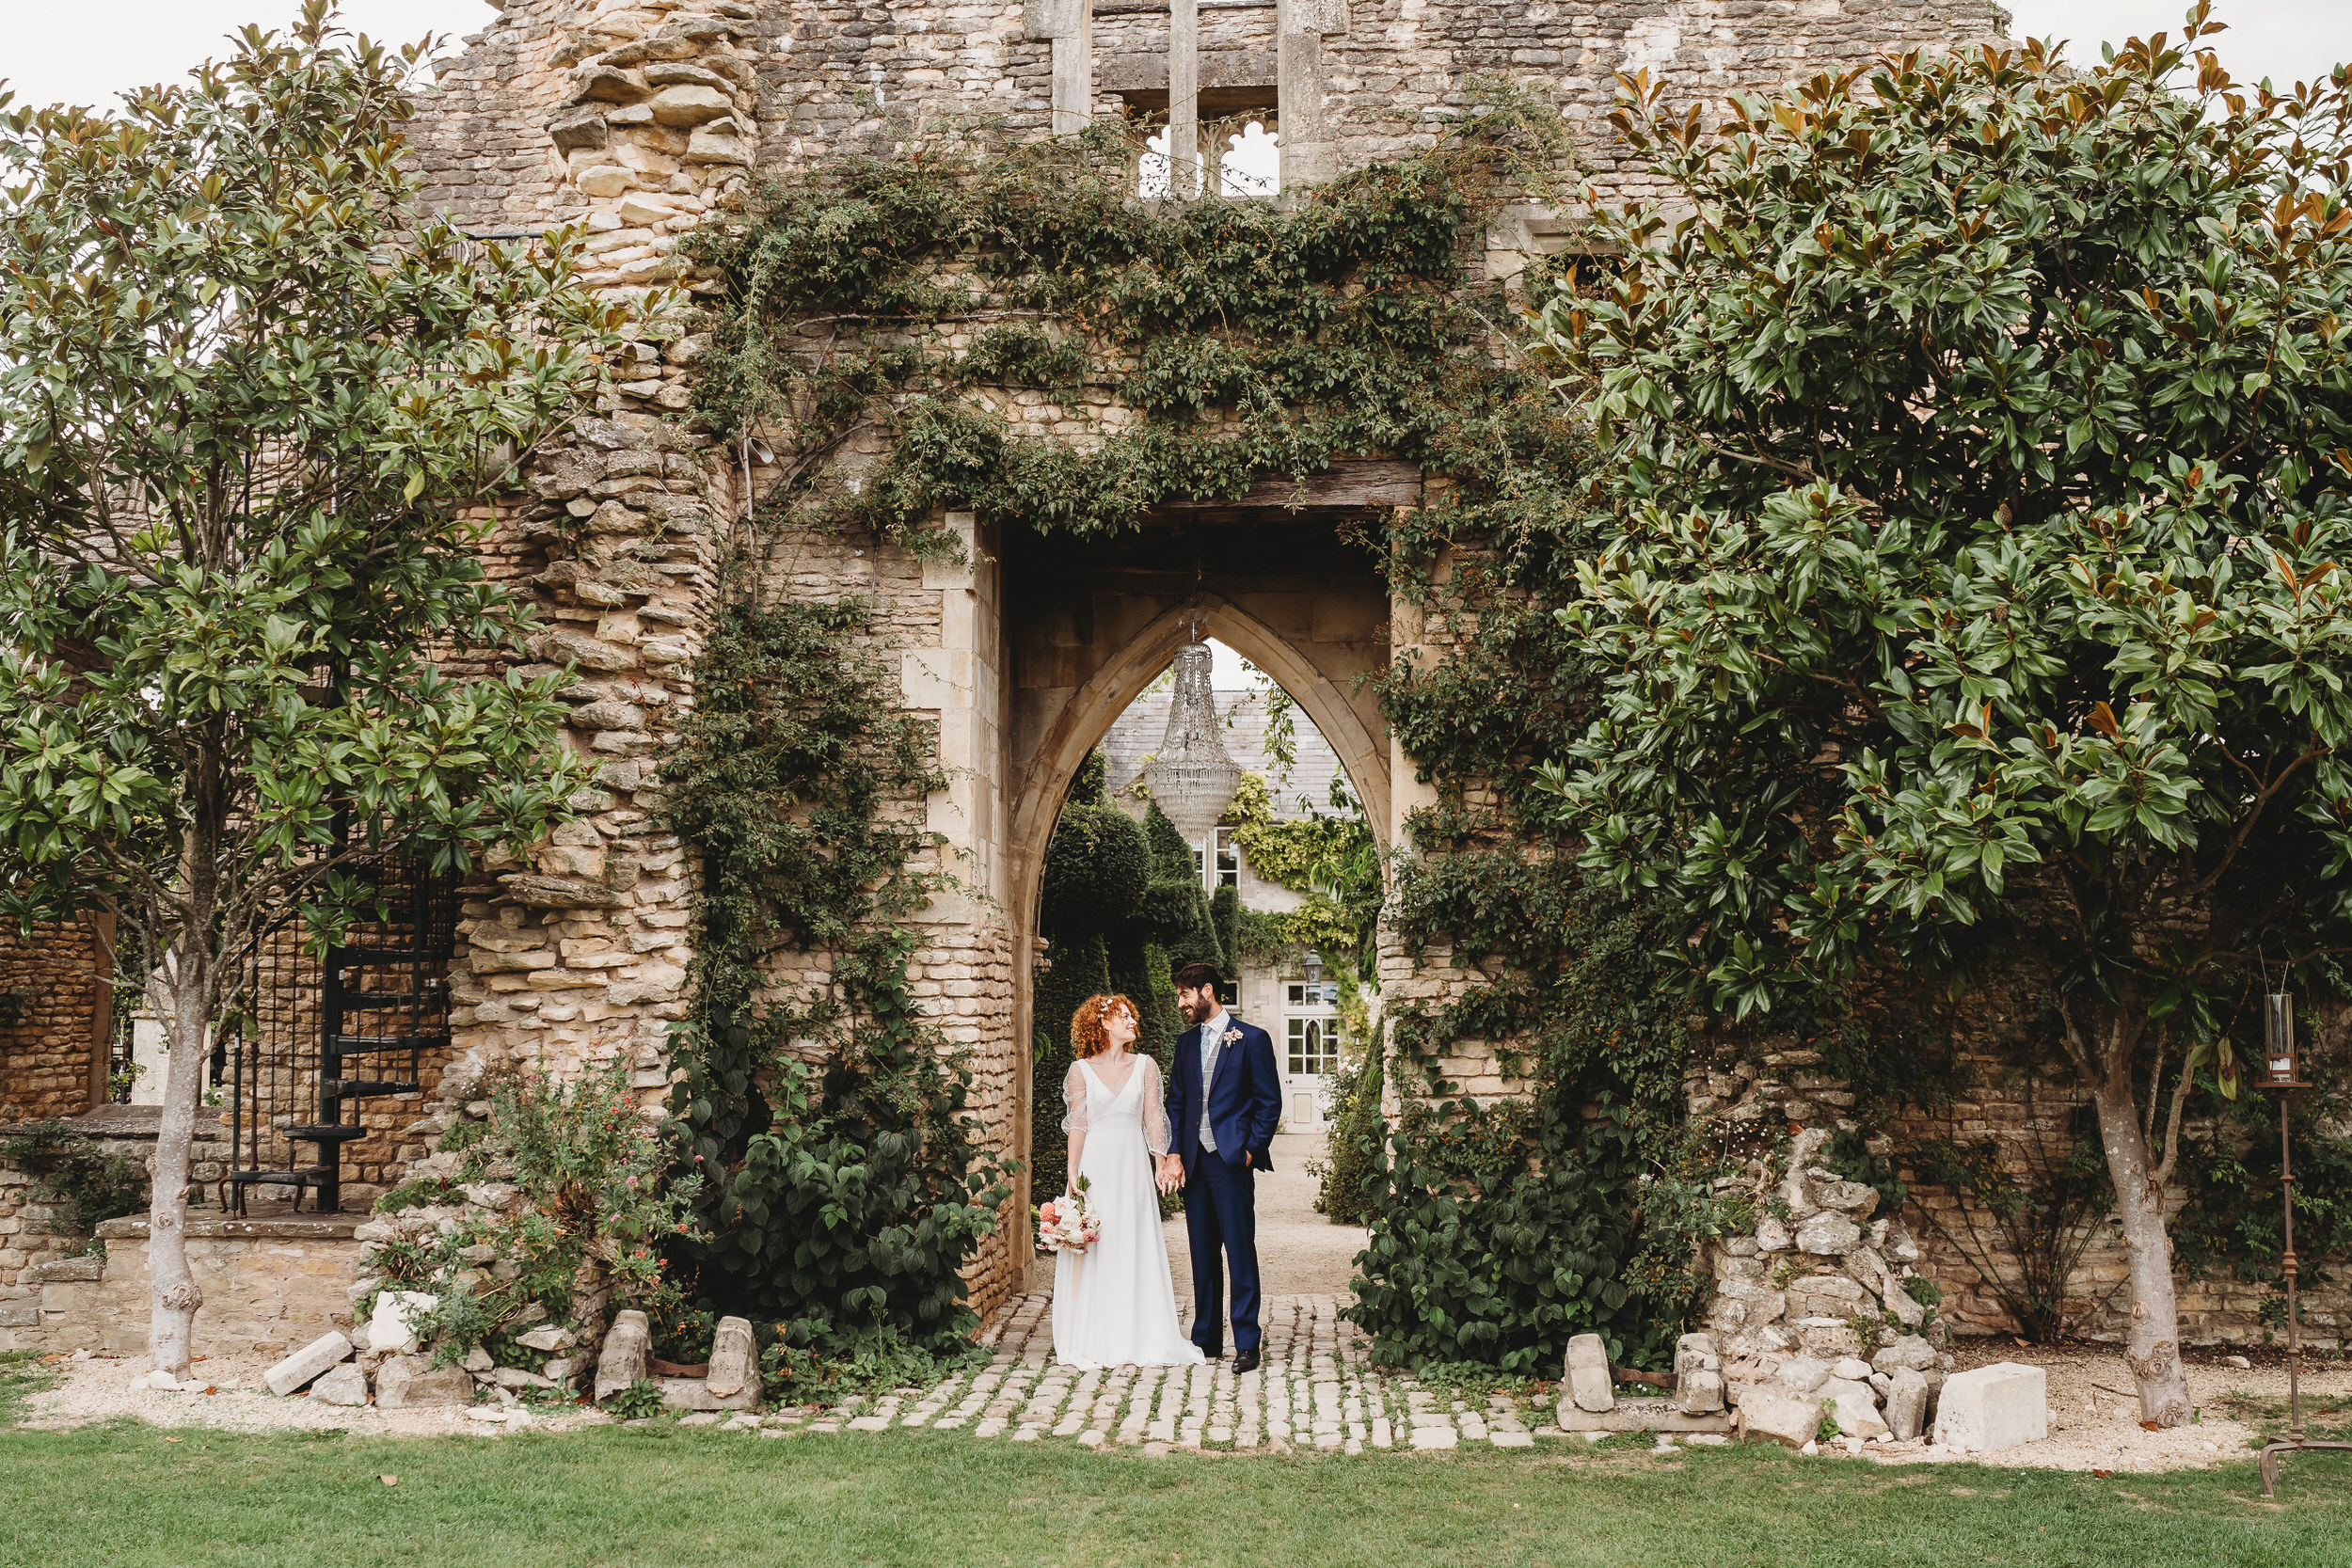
1311 1043
1228 861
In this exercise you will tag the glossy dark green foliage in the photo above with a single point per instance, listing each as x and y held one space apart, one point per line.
1979 432
250 398
848 1221
1971 588
1225 919
1500 1231
1351 1180
1483 1256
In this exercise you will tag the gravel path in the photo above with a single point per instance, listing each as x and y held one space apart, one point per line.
2094 1414
102 1389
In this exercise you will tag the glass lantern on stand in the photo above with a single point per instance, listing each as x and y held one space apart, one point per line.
2281 1073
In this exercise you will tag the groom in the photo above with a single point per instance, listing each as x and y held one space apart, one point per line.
1224 1099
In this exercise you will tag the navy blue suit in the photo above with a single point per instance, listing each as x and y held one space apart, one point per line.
1242 1106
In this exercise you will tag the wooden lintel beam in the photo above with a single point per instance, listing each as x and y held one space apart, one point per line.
1348 485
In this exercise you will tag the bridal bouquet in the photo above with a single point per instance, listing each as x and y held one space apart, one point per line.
1067 1223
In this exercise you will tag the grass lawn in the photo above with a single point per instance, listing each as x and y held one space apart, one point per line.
129 1494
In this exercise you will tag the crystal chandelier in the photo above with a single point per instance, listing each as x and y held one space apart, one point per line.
1192 778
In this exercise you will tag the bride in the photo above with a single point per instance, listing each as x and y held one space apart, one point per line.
1115 1304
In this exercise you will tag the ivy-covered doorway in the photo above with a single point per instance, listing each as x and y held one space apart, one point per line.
1089 624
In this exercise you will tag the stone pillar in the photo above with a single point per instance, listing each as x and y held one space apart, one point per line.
1070 24
963 976
1300 27
1184 97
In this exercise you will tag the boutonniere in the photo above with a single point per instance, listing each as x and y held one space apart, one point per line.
1229 1037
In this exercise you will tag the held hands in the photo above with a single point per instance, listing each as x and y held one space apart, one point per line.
1171 1173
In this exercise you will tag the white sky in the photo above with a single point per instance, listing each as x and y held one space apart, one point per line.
84 50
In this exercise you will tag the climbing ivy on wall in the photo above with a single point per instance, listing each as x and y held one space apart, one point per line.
1333 858
932 296
842 1196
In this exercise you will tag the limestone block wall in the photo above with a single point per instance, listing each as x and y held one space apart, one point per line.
636 120
1783 1091
270 1285
55 1020
30 1233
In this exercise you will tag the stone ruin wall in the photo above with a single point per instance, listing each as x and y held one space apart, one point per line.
1784 1089
636 120
55 1020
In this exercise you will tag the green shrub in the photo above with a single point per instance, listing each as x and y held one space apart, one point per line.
843 1200
1077 971
598 1203
1498 1232
1098 868
1348 1189
1225 916
636 1402
792 1374
425 1192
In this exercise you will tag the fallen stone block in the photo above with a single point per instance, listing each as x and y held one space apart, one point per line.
693 1393
1803 1375
1702 1392
393 1325
621 1361
1644 1414
1906 1404
1910 1350
344 1384
1790 1418
1827 1338
734 1359
2001 1406
1855 1407
413 1383
306 1363
1828 1234
1590 1385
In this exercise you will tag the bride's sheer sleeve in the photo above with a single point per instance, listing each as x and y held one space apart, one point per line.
1074 1095
1154 1107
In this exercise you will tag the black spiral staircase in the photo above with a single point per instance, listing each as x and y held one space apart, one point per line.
383 1006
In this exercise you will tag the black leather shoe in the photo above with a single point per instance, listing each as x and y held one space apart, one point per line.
1245 1361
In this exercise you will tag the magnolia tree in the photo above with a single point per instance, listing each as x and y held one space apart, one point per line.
246 397
1976 576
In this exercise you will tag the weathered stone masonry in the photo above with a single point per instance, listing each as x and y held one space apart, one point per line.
636 120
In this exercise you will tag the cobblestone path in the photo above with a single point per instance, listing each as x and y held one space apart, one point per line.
1313 1389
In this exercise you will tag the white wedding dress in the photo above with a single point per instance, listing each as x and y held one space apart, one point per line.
1115 1304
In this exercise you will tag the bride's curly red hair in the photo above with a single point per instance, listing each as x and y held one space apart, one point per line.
1085 1024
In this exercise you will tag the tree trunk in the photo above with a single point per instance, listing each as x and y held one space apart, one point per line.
2153 1348
173 1323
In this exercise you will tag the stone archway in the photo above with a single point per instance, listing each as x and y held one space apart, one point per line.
1088 626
